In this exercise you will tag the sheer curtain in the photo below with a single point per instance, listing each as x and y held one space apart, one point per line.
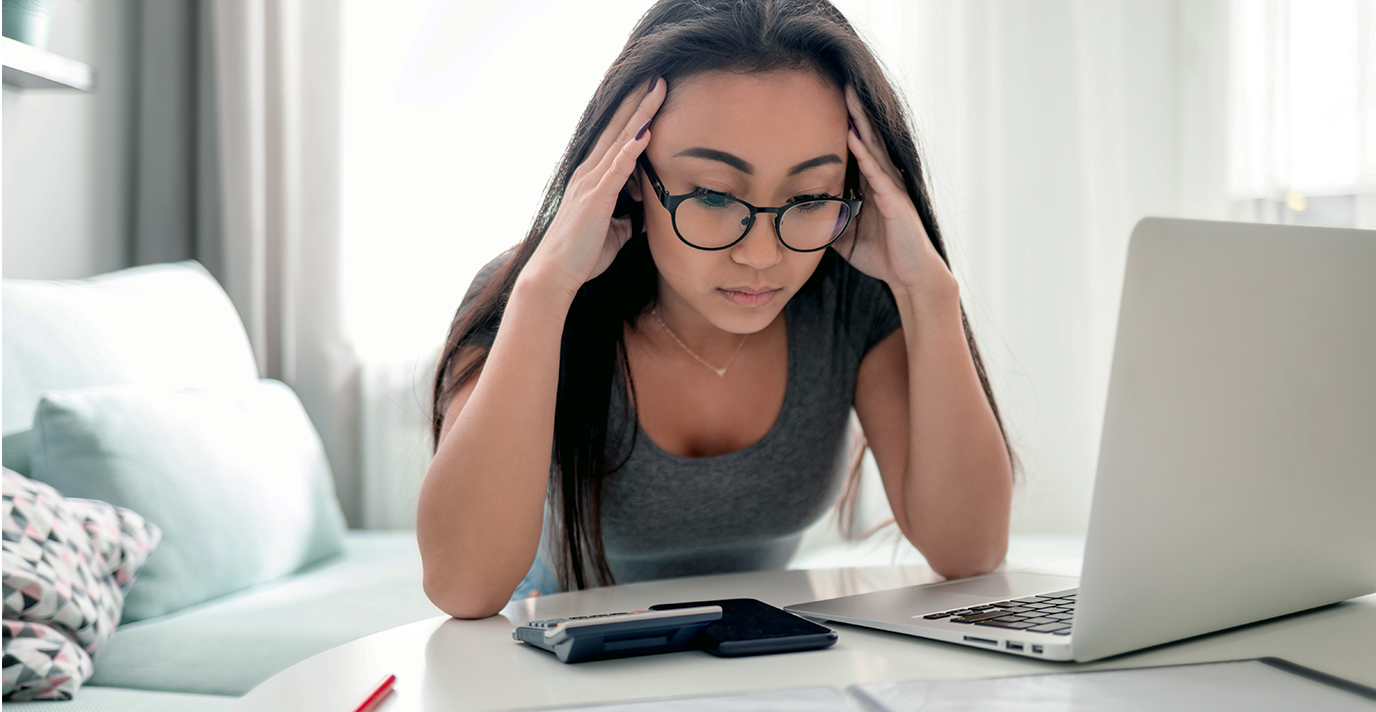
1048 129
1302 112
454 116
1051 128
239 159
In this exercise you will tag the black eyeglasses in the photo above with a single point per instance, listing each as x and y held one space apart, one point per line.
709 220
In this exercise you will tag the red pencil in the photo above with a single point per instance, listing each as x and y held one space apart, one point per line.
380 691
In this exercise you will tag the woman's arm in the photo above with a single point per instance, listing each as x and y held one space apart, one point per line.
940 453
481 507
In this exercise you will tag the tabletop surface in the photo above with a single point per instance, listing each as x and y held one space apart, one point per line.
451 664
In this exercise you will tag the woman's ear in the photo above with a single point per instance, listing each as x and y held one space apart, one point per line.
633 186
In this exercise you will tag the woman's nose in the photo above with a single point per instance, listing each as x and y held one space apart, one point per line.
760 248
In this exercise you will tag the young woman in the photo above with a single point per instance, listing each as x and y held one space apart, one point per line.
737 248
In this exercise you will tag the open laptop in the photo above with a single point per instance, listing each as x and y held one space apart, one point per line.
1237 467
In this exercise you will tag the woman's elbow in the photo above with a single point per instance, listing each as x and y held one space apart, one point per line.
462 601
959 565
960 570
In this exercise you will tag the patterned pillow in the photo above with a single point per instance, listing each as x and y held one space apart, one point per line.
42 663
68 564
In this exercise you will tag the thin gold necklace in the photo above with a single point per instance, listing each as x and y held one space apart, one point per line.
719 371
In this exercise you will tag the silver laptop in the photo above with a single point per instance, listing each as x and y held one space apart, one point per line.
1237 467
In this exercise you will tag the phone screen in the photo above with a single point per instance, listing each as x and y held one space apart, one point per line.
751 627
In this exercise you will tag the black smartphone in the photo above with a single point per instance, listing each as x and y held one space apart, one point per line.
751 627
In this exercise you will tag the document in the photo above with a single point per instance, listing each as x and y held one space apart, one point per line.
1253 685
800 699
1242 685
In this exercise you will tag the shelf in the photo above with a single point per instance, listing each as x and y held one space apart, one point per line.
31 68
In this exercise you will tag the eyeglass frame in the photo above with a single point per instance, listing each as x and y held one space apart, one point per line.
671 203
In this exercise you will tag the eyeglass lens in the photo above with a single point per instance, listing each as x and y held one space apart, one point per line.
714 221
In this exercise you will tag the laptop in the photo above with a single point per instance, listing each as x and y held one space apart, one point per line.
1237 466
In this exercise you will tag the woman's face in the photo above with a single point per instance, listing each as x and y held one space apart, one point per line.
767 139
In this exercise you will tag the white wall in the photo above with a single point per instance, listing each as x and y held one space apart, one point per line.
69 156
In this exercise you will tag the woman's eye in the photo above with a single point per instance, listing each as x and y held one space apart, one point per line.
814 205
716 200
711 198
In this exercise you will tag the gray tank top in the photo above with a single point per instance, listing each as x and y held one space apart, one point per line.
665 516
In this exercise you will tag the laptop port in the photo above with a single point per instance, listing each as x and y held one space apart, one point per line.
1013 646
1037 649
986 641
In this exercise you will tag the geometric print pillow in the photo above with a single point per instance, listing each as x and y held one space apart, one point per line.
42 663
68 564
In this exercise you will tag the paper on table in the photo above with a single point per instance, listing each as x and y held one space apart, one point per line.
801 699
1250 685
1242 685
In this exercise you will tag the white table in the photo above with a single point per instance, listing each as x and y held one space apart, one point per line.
449 664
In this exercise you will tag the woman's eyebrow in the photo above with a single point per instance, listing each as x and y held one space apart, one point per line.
741 165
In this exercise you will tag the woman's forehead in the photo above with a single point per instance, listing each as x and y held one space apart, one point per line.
770 117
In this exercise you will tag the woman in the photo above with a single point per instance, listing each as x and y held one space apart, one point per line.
736 249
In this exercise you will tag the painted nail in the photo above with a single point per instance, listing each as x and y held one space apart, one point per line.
641 133
654 82
852 127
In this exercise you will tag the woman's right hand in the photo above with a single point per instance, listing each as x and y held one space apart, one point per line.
584 238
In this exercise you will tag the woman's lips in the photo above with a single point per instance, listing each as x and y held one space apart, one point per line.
749 298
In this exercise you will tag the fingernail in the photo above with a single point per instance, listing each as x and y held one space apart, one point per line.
639 134
852 127
654 82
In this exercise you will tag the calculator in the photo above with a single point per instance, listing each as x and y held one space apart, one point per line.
617 635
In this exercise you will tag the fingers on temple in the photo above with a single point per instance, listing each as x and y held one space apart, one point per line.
638 107
870 168
614 127
871 139
859 117
622 162
631 133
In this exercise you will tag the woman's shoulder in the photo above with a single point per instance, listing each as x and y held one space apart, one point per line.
486 333
836 281
484 276
859 307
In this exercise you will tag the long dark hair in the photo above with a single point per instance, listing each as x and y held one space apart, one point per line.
674 39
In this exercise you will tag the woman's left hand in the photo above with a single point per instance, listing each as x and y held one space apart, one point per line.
889 242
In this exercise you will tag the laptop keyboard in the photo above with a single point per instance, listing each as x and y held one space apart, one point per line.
1050 614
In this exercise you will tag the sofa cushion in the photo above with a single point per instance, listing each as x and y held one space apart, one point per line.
169 325
230 645
235 476
114 699
67 566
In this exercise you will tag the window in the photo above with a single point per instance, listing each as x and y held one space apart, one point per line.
1302 108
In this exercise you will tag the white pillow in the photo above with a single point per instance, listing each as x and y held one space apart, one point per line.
235 476
167 325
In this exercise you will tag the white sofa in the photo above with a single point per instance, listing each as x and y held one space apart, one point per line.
172 326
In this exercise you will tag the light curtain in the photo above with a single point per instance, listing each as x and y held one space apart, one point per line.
1050 129
1303 104
1302 112
239 168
